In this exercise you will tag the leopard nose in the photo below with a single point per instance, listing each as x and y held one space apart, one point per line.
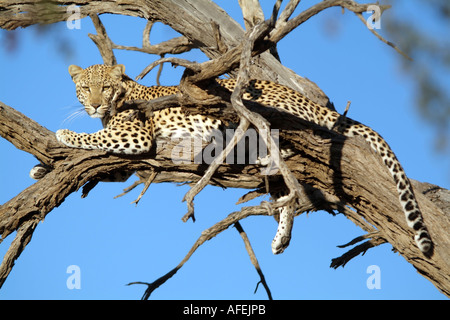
95 105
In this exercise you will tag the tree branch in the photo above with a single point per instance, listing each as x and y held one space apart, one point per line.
337 177
253 259
337 171
206 235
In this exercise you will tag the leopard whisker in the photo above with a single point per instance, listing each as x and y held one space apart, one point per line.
79 113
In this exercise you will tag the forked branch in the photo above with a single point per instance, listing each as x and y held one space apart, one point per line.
206 235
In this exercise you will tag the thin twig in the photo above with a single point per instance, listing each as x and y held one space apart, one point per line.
288 11
148 182
102 41
160 69
174 46
128 189
285 27
148 106
343 117
347 107
361 238
203 182
389 43
253 259
146 34
350 5
175 61
359 249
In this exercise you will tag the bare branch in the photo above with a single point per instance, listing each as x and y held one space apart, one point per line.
253 259
359 249
194 66
146 34
252 12
23 237
173 46
288 11
389 43
106 46
102 41
147 184
220 159
285 27
206 235
130 188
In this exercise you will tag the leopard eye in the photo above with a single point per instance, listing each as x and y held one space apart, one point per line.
85 88
106 87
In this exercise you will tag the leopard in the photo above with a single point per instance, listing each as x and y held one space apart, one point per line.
98 87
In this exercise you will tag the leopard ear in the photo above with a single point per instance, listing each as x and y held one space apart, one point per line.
117 71
75 72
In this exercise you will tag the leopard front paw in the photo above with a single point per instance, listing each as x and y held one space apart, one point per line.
61 135
77 140
66 137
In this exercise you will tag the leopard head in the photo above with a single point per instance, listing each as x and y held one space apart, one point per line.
96 87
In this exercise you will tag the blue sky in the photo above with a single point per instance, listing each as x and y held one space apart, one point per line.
113 242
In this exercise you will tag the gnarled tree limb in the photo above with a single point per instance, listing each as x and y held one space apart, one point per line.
336 170
336 178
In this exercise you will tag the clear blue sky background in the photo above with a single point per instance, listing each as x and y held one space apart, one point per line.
114 242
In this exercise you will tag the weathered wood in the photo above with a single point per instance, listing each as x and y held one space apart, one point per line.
332 168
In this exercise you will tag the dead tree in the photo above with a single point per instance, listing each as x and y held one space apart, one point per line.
337 179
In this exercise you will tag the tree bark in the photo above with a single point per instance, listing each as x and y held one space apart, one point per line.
333 168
